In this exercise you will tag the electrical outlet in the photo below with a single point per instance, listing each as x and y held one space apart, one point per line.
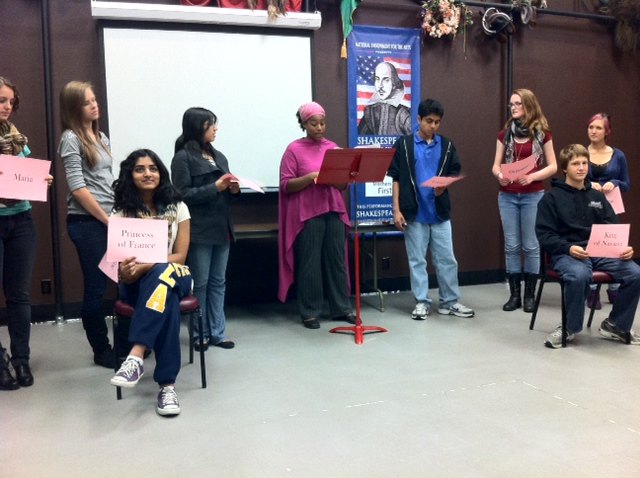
45 286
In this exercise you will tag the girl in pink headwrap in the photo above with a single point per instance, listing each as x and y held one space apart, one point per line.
313 224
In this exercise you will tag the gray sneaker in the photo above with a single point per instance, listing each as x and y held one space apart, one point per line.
129 374
167 402
610 331
421 311
554 339
456 309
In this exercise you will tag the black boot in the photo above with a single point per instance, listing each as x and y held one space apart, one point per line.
7 380
530 281
514 301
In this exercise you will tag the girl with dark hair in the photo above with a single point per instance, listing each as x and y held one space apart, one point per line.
143 190
17 253
526 133
201 174
85 153
607 170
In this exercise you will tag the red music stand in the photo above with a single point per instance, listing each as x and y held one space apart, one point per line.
349 166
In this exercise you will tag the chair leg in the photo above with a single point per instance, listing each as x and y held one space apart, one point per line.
593 309
190 327
203 366
116 347
537 303
564 316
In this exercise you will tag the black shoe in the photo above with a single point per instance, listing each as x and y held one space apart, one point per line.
24 375
196 345
225 344
348 318
311 323
106 358
7 382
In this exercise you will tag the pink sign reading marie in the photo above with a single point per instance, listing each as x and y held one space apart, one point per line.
23 178
144 239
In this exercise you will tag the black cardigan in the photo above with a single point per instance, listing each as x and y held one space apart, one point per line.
195 178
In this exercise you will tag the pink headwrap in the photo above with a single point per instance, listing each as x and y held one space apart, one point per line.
308 110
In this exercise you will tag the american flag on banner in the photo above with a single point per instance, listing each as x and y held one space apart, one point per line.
365 85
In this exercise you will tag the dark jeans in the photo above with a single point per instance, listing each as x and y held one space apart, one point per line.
90 238
17 255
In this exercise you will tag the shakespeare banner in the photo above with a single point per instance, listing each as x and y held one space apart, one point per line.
384 93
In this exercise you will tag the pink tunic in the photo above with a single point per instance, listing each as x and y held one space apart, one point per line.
301 157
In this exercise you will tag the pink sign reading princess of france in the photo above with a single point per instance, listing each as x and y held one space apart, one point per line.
144 239
23 178
517 169
608 240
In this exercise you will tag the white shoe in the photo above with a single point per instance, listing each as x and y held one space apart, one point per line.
456 309
421 311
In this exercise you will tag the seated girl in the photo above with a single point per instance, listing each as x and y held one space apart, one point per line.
143 190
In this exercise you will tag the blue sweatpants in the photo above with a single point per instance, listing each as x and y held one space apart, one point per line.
156 318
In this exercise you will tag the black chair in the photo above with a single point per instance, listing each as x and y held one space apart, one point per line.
549 275
189 306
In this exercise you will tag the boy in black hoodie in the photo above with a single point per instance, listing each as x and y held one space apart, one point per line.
563 226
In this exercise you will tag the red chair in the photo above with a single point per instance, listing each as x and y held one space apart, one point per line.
549 275
123 312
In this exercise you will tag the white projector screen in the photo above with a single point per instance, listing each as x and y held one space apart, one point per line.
254 83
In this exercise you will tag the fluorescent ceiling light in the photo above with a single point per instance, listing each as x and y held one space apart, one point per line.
188 14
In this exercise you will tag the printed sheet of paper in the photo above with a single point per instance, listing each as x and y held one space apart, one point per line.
110 269
514 171
441 181
249 183
23 178
144 239
615 199
608 240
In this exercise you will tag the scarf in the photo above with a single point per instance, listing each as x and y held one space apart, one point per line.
11 141
518 130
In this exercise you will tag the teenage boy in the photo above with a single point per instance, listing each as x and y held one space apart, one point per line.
563 226
422 213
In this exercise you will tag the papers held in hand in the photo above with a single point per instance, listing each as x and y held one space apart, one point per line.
441 181
355 165
608 240
517 169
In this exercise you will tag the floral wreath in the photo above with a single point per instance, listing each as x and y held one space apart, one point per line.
444 17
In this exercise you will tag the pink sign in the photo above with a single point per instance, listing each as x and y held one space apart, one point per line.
144 239
110 269
441 181
514 171
249 183
615 199
608 240
23 178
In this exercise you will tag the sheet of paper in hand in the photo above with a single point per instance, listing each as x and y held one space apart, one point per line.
608 240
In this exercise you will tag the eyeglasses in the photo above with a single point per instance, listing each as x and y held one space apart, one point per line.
517 104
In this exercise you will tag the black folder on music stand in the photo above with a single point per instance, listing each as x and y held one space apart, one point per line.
348 166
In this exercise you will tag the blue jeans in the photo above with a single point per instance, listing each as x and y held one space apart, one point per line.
518 214
576 275
208 264
17 255
90 238
417 239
